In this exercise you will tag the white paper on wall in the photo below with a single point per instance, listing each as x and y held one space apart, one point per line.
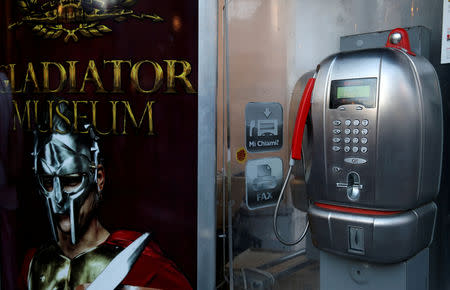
445 49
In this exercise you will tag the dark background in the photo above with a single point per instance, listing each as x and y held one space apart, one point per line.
151 180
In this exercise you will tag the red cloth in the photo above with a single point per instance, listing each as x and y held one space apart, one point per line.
151 269
23 277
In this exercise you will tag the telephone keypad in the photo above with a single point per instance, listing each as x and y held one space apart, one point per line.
349 139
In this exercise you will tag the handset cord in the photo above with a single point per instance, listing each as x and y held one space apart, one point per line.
275 214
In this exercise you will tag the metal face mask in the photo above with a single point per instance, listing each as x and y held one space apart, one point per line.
66 169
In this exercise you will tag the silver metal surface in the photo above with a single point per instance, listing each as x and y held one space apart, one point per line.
353 192
395 38
348 274
397 169
66 158
355 160
404 130
352 185
121 265
387 239
206 168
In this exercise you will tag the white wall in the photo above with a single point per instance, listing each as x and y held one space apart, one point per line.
316 26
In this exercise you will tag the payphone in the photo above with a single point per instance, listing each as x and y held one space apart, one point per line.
374 140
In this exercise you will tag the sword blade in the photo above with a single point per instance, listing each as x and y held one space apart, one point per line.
119 267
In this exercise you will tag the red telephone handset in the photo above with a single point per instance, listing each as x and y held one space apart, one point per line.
296 154
300 121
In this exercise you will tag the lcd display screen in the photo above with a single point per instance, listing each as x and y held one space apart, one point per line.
353 92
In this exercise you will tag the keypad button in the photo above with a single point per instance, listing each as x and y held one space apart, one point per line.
348 122
337 169
353 160
347 131
355 131
364 149
364 131
336 148
365 122
347 148
355 149
364 140
336 140
355 140
347 140
336 122
336 131
355 122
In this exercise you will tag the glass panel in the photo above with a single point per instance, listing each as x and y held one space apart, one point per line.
256 120
268 51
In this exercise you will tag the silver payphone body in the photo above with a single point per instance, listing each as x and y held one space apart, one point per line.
374 146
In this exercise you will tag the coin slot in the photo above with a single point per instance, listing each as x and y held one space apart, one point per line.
353 186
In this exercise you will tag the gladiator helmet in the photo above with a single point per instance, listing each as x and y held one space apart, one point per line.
66 167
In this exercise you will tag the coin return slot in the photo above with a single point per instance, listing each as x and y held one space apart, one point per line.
356 240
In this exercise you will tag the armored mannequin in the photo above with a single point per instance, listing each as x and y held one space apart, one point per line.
71 177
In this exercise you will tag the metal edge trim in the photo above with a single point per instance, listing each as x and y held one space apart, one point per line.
206 162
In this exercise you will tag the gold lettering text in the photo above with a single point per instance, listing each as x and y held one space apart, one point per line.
25 113
61 115
46 77
117 85
158 76
148 109
95 78
183 76
77 116
30 76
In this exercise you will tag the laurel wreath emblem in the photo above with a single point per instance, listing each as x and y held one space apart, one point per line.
71 18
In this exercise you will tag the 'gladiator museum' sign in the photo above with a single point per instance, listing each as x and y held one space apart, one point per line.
100 157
